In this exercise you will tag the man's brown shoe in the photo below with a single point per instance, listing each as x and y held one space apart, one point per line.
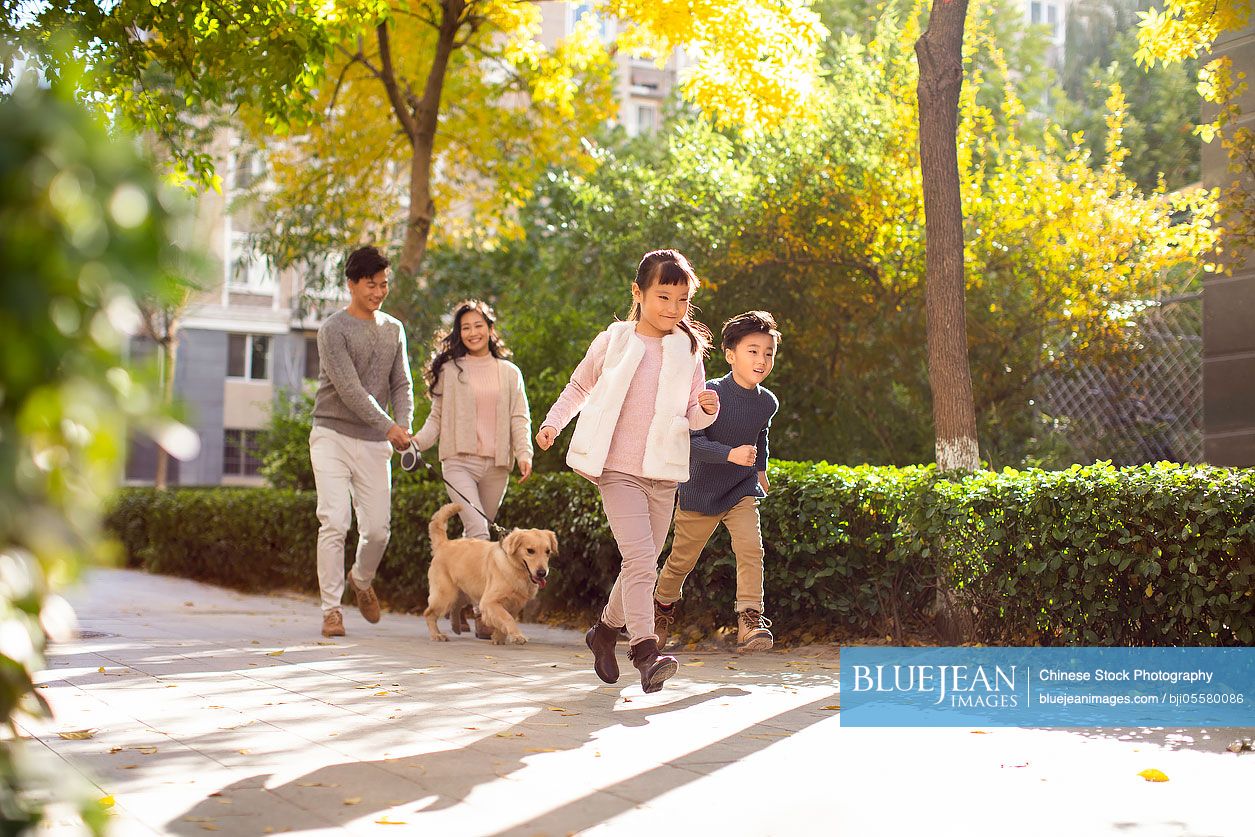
664 618
601 639
332 623
367 601
654 667
752 632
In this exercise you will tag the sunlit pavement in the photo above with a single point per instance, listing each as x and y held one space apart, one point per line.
211 710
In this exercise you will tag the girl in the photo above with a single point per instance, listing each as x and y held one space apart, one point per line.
478 412
639 391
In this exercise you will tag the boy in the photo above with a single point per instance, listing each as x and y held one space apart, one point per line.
727 477
362 368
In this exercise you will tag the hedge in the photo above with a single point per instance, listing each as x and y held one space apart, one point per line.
1153 555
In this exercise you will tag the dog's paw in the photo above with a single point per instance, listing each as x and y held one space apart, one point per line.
517 639
439 638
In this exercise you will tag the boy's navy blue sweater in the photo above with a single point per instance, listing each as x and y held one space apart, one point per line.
715 484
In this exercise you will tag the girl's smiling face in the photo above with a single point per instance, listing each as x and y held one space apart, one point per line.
662 307
474 331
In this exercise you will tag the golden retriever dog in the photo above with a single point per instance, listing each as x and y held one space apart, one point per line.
501 575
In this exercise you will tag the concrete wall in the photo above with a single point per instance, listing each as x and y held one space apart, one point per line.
1229 309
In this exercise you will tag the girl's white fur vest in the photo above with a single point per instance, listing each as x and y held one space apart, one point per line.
667 446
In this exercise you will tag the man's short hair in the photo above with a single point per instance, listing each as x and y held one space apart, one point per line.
363 262
751 322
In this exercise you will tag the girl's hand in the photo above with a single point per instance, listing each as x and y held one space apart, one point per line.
709 401
544 439
525 469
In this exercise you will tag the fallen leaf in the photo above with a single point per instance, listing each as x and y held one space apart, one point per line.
77 734
278 653
101 669
352 800
106 802
147 750
510 735
979 732
208 826
832 708
244 752
129 766
382 694
731 667
470 727
569 714
1153 775
315 785
541 750
255 642
198 819
215 707
116 750
698 663
189 604
555 708
320 642
386 821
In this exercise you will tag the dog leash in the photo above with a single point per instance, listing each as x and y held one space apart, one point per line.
411 457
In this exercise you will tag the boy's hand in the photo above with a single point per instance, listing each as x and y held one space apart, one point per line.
709 401
544 439
744 455
398 436
525 469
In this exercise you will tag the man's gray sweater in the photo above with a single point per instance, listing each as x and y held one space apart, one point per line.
362 367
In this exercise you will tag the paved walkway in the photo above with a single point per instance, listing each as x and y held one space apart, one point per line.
218 711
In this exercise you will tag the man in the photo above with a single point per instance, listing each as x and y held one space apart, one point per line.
362 366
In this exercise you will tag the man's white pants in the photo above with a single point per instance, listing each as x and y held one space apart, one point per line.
351 475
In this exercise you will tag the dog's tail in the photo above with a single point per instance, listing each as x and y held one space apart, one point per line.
439 526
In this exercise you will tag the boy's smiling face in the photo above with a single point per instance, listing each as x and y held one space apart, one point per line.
751 359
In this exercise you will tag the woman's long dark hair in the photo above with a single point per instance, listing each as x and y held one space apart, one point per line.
448 344
670 267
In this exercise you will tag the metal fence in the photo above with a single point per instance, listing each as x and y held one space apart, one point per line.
1150 411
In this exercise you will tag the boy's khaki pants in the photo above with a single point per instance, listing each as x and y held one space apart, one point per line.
693 530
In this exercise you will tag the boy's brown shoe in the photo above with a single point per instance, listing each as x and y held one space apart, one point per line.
601 639
664 618
367 601
332 624
752 631
654 667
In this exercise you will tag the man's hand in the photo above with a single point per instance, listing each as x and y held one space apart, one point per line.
544 439
744 455
399 437
709 401
762 480
525 469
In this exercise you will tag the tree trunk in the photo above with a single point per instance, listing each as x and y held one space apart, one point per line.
420 120
170 353
940 53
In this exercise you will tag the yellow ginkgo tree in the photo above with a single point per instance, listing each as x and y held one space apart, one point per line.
402 105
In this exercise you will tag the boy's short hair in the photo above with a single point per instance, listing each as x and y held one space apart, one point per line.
363 262
751 322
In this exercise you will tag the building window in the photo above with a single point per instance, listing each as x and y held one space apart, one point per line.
249 270
249 168
241 453
646 119
1052 12
311 358
1035 15
248 356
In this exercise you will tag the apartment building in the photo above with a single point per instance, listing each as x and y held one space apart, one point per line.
251 335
